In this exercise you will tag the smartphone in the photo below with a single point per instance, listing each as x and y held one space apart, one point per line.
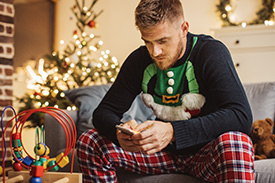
125 130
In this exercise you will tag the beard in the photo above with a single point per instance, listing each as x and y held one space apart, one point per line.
169 61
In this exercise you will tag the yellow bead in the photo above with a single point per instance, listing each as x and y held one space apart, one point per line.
42 149
64 161
1 170
18 149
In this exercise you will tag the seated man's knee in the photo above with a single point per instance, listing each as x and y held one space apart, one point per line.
235 141
88 137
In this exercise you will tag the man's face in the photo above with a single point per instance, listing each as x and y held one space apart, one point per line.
166 42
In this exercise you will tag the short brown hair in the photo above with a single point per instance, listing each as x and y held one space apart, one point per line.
152 12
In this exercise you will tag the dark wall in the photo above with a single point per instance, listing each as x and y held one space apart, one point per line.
34 25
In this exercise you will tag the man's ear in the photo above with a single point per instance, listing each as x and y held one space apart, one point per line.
185 28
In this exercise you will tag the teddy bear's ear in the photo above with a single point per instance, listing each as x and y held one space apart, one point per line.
269 121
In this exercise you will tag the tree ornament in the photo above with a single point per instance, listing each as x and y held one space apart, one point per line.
264 14
37 94
91 24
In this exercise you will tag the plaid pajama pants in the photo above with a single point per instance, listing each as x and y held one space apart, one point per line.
229 158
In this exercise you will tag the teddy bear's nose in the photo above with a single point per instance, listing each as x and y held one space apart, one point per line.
256 129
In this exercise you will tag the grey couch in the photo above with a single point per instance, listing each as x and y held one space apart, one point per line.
261 97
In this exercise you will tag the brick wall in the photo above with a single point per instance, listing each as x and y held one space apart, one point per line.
6 63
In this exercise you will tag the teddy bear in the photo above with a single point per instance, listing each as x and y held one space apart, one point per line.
263 139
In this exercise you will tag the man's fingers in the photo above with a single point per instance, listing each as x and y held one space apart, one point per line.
144 126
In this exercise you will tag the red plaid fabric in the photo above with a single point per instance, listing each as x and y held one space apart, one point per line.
229 158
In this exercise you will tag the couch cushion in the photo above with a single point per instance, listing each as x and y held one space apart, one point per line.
261 97
88 98
265 171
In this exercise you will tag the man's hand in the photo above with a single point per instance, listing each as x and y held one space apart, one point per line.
124 139
153 137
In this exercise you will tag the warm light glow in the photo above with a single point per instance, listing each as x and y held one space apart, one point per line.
92 48
269 22
45 92
114 59
62 94
41 71
62 41
243 24
33 75
85 8
228 8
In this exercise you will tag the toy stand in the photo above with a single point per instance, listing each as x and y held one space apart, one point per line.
49 177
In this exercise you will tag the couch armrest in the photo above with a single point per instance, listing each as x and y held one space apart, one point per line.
55 137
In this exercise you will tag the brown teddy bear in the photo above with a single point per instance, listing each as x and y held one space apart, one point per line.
263 139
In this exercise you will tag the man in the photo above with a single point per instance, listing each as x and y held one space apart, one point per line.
211 143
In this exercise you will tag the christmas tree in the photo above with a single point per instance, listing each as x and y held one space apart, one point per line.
81 63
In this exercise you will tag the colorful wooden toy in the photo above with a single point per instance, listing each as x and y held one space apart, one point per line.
38 166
